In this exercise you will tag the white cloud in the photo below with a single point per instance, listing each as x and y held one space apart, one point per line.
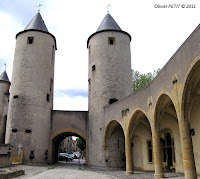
67 103
7 45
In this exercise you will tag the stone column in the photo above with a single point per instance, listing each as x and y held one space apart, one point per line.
129 161
187 150
157 155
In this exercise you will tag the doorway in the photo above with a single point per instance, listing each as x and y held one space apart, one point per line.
168 153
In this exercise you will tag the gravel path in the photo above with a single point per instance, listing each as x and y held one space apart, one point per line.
77 170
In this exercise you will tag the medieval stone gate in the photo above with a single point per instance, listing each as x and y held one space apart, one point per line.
64 124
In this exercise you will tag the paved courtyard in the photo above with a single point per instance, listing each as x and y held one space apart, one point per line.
77 170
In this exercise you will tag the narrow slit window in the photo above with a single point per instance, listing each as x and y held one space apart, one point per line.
111 40
15 97
30 40
28 131
51 84
118 143
14 130
89 84
47 98
93 68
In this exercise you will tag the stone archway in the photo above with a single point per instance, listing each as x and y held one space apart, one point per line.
114 145
139 130
167 126
58 136
191 112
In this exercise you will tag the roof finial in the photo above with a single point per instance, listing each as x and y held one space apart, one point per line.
5 66
108 7
39 7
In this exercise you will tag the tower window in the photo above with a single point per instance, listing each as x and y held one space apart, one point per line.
5 122
51 84
15 97
47 97
93 68
111 40
118 143
27 131
14 130
31 156
113 100
89 83
30 40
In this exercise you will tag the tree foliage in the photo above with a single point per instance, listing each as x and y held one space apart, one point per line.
142 80
80 144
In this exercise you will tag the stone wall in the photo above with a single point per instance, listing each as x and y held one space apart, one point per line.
31 96
5 156
174 92
109 80
77 120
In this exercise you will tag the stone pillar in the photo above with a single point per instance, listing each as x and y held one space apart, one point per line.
129 161
157 155
187 150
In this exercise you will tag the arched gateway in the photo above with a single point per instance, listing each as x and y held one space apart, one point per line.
64 124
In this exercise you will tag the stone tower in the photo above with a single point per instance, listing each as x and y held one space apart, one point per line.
109 79
31 96
4 95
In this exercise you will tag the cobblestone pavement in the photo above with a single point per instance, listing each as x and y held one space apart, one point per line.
77 170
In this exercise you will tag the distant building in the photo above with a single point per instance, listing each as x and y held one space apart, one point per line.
68 145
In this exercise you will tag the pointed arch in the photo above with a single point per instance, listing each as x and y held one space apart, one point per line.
114 145
191 87
166 122
109 129
190 108
163 102
135 118
139 130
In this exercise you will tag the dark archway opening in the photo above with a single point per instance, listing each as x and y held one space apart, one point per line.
64 143
117 149
191 109
168 152
141 142
167 125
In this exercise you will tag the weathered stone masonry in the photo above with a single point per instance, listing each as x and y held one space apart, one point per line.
156 128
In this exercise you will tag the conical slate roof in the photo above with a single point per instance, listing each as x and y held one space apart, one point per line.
108 23
37 23
4 77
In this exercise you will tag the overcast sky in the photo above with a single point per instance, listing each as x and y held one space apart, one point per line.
156 34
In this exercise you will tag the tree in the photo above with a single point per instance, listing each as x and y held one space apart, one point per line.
80 144
142 80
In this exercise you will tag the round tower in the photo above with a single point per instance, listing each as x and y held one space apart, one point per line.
109 79
31 96
4 94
